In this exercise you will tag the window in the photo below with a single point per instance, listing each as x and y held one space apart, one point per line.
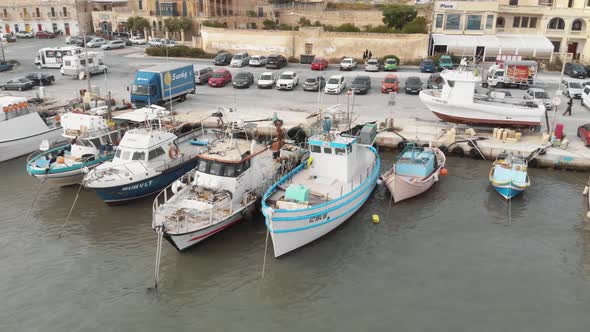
473 22
500 22
328 150
138 156
203 164
439 20
570 3
65 11
524 23
229 170
513 3
556 23
155 153
490 22
118 153
37 12
140 4
556 46
216 169
82 62
453 22
577 25
125 155
340 151
533 23
547 3
5 12
52 12
316 149
516 22
49 54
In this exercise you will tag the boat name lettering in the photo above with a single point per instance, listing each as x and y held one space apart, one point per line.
321 217
138 186
442 101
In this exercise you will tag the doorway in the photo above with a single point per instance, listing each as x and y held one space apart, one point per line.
480 52
7 28
39 27
67 28
573 48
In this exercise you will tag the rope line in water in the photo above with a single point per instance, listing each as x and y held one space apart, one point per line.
265 250
35 199
160 232
71 209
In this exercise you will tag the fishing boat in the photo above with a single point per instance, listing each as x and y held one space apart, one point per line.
147 159
509 175
322 193
22 128
458 102
414 172
229 178
91 142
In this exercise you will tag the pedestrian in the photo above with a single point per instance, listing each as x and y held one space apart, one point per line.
370 54
365 55
568 110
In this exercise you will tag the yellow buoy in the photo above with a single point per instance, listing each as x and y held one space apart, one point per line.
309 161
375 219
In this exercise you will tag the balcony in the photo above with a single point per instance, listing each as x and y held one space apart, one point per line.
555 32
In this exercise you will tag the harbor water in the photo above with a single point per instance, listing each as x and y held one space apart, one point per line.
449 260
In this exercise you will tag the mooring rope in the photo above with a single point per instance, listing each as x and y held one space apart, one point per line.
35 199
71 209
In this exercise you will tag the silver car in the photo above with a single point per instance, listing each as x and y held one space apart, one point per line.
373 65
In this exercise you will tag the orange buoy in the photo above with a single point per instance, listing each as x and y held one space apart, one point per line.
60 160
444 171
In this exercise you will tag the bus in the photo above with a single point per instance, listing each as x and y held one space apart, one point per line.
52 57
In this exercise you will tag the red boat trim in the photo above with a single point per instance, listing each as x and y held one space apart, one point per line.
457 119
214 231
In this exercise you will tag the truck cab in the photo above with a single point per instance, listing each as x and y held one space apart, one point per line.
145 89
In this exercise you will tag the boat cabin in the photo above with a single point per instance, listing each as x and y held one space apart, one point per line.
89 134
416 162
334 157
146 145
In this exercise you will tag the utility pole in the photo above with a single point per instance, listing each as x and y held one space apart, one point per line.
2 48
293 30
86 60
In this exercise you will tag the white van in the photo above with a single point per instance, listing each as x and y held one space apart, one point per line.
73 65
52 57
586 96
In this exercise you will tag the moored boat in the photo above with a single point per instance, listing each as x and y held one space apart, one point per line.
229 178
414 172
319 195
509 175
22 129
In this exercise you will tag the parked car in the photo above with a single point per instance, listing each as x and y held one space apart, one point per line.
19 84
41 79
137 40
314 83
348 64
586 97
257 61
361 85
373 65
222 59
167 43
390 84
44 34
81 40
240 60
335 85
126 40
413 85
574 70
288 80
537 96
5 66
202 75
113 44
584 133
390 64
9 37
276 61
25 34
427 66
434 81
154 42
266 80
243 80
445 62
220 78
571 89
319 64
96 42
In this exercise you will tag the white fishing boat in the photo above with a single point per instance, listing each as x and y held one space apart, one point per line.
228 180
147 159
22 129
416 170
457 102
319 195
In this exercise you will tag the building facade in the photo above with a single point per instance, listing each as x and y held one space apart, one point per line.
69 17
564 23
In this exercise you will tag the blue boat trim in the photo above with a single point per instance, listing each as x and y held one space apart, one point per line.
94 162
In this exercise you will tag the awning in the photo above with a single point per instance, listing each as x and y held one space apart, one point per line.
539 44
455 41
525 42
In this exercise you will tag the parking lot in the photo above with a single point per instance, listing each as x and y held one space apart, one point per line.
253 102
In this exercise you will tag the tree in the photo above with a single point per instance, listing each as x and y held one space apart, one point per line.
397 16
304 22
347 27
185 24
269 24
137 23
172 25
418 25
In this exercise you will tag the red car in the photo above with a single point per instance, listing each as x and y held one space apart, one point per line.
44 34
390 84
319 64
220 78
584 133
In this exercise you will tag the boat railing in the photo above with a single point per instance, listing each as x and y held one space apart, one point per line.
38 153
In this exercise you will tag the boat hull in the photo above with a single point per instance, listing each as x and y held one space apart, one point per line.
482 114
291 229
14 148
508 191
144 187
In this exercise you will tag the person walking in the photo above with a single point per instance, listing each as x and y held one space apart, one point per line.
365 55
370 54
568 110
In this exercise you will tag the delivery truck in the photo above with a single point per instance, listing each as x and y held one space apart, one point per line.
162 84
509 74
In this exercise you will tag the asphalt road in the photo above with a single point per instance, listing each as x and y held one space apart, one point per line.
252 102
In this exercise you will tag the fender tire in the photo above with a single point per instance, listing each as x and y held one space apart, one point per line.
533 163
458 151
475 154
444 149
401 145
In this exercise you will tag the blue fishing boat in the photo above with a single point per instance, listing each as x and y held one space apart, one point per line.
509 175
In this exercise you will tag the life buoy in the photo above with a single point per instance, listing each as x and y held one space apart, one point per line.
173 152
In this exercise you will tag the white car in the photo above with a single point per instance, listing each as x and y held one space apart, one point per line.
335 85
111 45
266 80
154 42
257 61
347 64
167 43
288 80
25 34
240 60
571 89
96 42
586 96
136 40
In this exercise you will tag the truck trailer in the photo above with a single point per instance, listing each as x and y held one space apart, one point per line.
507 74
162 84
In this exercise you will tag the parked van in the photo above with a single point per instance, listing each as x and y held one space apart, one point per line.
73 65
586 96
240 60
52 57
